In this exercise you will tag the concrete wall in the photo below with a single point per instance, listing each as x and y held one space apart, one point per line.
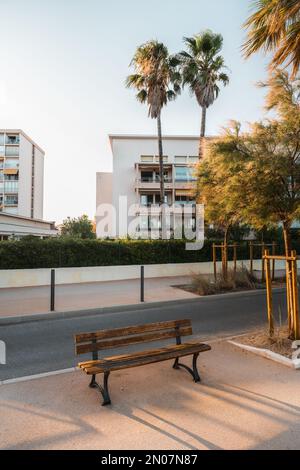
25 166
38 184
41 277
25 173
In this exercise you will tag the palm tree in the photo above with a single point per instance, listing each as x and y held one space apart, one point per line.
275 26
202 70
157 81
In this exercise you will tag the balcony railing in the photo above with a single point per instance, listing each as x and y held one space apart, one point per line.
154 180
12 151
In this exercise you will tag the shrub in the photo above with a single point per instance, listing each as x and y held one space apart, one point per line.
68 252
205 285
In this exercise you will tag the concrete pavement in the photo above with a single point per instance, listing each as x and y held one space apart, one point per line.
43 346
31 300
243 402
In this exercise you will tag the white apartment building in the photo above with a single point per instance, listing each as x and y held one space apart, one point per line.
21 175
136 175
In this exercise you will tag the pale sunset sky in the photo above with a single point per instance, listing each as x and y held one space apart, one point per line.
63 67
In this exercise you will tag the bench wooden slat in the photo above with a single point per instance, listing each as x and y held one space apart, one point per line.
130 330
124 341
143 358
147 352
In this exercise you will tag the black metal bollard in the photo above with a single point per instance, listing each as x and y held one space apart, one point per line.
52 291
142 284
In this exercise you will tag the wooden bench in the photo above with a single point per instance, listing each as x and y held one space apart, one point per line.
120 337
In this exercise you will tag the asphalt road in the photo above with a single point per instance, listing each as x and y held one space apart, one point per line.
44 346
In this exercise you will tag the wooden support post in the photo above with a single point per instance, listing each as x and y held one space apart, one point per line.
295 297
251 258
273 261
262 262
289 296
269 292
215 261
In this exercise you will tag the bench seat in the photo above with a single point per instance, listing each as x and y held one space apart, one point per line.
142 357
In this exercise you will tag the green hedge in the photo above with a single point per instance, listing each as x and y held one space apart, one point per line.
59 252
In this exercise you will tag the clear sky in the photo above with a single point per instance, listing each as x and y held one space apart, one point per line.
63 66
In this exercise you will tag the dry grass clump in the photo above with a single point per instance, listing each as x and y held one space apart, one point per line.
242 278
279 343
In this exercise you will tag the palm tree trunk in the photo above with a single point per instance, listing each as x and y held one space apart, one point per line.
203 121
203 127
161 160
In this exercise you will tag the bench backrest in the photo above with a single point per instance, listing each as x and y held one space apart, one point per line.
118 337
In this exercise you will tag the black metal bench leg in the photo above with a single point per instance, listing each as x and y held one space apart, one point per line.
194 372
103 390
93 383
175 365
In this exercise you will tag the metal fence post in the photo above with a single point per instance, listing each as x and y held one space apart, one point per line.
52 291
142 284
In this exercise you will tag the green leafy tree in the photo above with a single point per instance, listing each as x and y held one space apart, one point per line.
202 68
274 27
216 186
261 167
157 81
80 227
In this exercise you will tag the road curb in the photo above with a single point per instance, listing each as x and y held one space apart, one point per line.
15 320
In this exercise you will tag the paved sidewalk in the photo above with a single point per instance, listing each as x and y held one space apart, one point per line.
30 300
243 402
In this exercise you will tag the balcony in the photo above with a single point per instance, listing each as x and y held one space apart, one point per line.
150 183
185 184
12 151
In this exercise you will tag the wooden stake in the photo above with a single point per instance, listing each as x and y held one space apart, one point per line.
295 297
262 262
269 293
288 296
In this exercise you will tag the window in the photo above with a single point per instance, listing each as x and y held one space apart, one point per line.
13 177
180 159
147 176
166 176
13 139
184 173
1 139
12 151
180 199
147 158
11 186
2 150
147 199
11 199
193 160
